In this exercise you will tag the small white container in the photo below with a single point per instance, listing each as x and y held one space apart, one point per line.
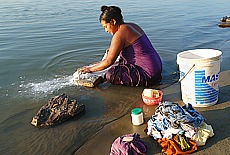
137 116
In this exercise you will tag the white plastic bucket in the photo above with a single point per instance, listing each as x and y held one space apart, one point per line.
199 76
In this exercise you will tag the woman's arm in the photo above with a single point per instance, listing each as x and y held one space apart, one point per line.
116 46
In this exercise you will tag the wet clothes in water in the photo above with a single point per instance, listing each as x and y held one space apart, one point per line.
139 65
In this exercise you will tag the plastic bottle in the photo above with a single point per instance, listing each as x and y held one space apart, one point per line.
137 116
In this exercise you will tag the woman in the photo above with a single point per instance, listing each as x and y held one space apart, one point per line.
139 63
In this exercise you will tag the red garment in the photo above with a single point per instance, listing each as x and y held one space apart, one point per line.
170 147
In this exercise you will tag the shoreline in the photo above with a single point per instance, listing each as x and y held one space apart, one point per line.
215 115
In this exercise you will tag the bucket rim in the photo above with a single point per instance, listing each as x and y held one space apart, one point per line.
217 56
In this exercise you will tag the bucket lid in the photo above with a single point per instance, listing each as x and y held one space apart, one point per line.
199 55
136 111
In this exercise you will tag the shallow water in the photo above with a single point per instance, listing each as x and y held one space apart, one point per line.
42 43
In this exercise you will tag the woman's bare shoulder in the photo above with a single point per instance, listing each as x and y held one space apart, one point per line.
131 28
130 32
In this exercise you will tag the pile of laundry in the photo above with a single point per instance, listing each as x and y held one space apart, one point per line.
178 130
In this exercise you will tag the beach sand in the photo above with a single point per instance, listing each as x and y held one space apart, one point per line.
216 115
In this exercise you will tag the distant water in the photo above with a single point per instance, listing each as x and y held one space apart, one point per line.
42 43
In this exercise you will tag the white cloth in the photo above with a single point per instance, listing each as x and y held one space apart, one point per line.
204 131
91 76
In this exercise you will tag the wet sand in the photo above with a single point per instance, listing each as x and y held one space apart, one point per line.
216 115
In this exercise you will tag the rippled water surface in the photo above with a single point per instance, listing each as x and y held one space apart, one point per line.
42 43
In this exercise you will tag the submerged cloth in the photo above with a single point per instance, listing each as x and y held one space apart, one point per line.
89 79
203 133
171 146
139 65
129 144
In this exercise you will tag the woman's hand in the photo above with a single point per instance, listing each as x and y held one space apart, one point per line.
84 70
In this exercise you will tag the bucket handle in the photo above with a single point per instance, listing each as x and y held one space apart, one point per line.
186 73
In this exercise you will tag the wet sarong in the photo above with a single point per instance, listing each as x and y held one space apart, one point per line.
139 65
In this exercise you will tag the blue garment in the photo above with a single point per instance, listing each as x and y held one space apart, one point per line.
176 114
160 125
169 115
196 119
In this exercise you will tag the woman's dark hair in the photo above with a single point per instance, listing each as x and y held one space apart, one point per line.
111 12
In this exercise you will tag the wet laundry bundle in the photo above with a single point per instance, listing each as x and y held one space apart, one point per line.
88 79
91 79
129 144
58 109
172 124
